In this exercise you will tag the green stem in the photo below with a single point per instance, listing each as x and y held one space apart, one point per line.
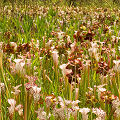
25 111
1 69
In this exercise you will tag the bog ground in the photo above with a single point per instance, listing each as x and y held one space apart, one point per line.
59 62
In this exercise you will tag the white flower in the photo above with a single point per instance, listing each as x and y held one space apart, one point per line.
68 102
14 45
84 112
76 93
100 113
116 103
60 100
36 93
87 63
64 70
113 52
2 87
19 108
49 44
16 91
117 65
117 112
20 112
12 102
11 109
48 101
75 103
97 56
73 46
36 89
61 35
93 51
1 44
94 45
55 57
42 115
37 44
60 113
19 65
100 89
119 48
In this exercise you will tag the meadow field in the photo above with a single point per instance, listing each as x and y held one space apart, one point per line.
59 62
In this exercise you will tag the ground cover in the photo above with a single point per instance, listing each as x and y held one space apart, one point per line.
59 63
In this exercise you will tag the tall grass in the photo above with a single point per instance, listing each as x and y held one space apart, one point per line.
47 30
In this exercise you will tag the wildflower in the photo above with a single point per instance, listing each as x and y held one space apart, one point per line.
28 87
19 66
36 93
87 63
93 51
94 45
117 65
16 91
75 103
84 112
68 102
97 56
65 113
49 44
116 107
67 109
100 113
31 79
28 63
42 115
1 44
23 48
11 109
61 35
76 93
37 44
61 102
55 57
50 100
7 48
103 68
72 112
60 113
19 109
14 45
73 46
113 52
100 89
2 87
119 48
64 70
117 113
116 103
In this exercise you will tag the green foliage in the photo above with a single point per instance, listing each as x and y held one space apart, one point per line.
34 26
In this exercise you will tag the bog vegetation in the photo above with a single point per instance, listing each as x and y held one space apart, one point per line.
59 61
